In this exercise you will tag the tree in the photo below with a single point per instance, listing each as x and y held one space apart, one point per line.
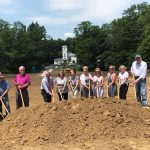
144 48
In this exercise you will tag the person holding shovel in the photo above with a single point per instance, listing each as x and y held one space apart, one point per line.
62 87
4 100
86 79
123 82
74 83
139 72
47 87
98 83
22 81
111 78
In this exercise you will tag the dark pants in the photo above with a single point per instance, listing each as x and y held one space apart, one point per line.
25 98
47 97
123 91
64 96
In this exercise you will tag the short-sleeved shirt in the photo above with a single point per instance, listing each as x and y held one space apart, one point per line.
61 83
98 79
4 85
22 79
85 79
124 77
139 70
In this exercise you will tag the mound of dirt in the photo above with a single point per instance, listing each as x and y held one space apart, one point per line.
76 121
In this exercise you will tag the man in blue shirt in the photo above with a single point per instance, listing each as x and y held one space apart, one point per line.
4 88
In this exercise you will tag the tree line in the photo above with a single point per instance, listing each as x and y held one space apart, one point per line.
113 43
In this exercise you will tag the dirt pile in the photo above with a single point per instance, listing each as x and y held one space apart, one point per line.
75 121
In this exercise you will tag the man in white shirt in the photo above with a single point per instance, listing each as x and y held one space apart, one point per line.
139 71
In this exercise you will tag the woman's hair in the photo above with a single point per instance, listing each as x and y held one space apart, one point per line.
122 66
85 68
97 70
73 71
60 73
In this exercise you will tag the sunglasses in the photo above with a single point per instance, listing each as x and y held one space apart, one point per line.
111 68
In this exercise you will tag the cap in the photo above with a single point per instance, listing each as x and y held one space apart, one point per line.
137 56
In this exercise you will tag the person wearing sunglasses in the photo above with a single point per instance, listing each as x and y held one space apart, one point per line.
139 72
98 79
111 79
22 81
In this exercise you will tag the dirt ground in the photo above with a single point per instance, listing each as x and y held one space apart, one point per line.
108 124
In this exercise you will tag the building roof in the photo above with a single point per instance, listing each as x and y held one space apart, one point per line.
58 59
70 54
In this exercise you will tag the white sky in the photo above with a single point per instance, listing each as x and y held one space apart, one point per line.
61 16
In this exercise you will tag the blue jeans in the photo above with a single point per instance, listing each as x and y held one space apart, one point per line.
85 92
141 92
112 90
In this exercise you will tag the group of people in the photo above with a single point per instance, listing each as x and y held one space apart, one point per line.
93 86
90 86
86 84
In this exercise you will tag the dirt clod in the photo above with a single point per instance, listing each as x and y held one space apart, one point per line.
77 120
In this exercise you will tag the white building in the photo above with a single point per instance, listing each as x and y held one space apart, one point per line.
67 57
58 61
72 58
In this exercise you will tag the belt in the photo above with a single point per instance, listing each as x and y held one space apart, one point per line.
22 89
136 77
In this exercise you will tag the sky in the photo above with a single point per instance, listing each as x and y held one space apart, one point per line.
60 17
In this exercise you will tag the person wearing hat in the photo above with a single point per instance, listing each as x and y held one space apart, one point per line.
22 81
4 88
47 86
139 72
111 79
86 79
98 79
123 82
